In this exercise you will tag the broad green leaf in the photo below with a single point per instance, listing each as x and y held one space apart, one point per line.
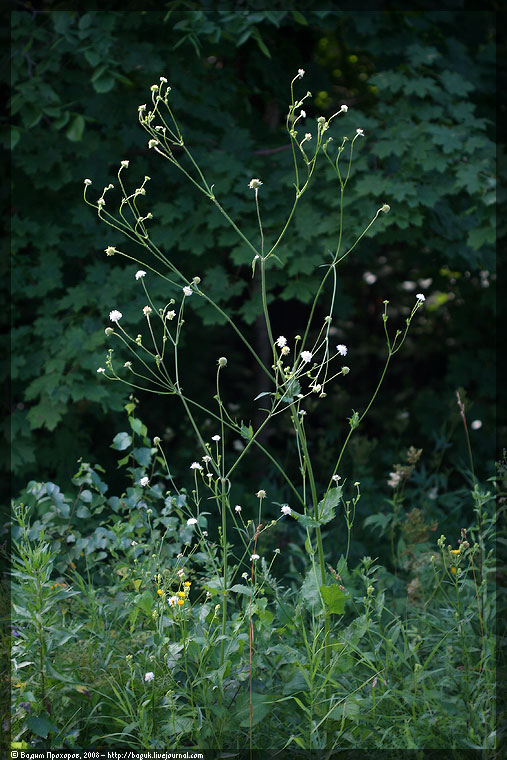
145 602
121 441
309 591
40 725
292 390
261 707
138 427
74 131
239 589
246 432
142 456
103 84
327 507
334 599
305 520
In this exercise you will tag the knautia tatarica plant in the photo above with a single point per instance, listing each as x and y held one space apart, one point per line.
302 365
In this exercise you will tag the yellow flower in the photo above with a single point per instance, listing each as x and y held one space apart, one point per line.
187 583
180 593
159 591
181 601
455 551
453 570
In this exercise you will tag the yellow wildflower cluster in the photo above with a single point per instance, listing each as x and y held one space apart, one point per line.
179 598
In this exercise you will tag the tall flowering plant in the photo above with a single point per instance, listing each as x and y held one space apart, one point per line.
301 366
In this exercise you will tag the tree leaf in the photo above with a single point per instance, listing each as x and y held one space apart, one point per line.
121 441
74 131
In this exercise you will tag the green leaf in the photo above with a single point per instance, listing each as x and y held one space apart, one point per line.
74 131
103 83
305 520
299 18
138 427
261 707
40 725
15 135
121 441
246 432
239 589
334 599
142 456
309 592
260 42
293 388
264 393
326 508
145 602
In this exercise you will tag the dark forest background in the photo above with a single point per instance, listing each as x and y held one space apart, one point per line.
422 86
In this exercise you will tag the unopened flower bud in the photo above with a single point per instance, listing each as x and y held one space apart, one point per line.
222 362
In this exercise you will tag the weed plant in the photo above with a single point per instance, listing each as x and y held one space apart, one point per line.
161 618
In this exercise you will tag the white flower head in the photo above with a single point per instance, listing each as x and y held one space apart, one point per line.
308 135
336 478
420 297
191 521
170 314
115 315
344 108
140 273
281 341
254 557
195 466
215 438
163 80
306 356
476 424
147 310
237 508
359 132
261 494
172 601
369 278
254 184
149 676
342 350
345 370
88 182
301 73
101 370
303 114
187 290
144 481
285 350
124 164
286 510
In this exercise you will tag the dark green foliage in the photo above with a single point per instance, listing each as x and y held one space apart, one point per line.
421 87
